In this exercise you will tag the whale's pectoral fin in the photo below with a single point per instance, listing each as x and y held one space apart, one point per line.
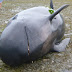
62 45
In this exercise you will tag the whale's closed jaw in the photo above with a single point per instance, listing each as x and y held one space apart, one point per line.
27 40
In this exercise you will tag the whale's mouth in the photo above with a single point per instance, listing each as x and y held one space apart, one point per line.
28 49
27 40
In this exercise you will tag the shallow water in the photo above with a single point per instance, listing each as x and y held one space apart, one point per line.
52 62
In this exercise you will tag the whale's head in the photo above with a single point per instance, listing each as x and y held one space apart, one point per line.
56 19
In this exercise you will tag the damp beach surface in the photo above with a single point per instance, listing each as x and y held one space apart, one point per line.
52 62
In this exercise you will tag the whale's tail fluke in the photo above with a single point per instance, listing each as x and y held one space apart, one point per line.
57 11
51 4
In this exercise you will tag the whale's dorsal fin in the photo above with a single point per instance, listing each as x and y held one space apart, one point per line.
51 4
57 11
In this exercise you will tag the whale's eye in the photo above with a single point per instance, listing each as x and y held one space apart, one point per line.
54 18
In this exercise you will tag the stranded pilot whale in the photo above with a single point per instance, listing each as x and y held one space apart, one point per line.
31 34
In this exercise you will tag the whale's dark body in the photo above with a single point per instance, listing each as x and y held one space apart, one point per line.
31 34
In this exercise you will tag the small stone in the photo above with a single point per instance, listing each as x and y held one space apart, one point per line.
45 60
32 62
